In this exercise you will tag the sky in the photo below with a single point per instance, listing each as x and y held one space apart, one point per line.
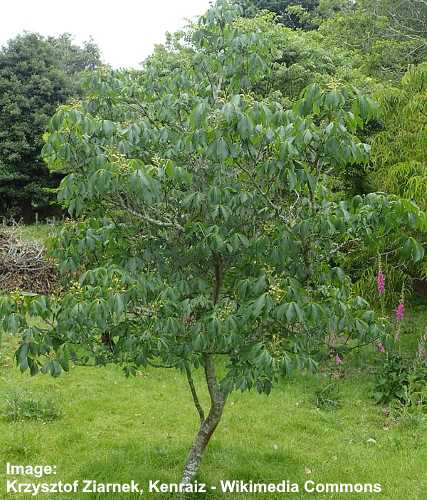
125 30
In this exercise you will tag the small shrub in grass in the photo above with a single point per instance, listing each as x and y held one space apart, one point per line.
402 383
412 409
21 406
328 397
391 379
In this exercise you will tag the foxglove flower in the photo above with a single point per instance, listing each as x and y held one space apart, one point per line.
380 283
380 347
338 360
400 311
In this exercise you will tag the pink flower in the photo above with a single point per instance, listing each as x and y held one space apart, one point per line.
338 360
380 347
400 311
380 283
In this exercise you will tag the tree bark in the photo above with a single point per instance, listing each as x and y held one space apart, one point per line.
219 271
208 425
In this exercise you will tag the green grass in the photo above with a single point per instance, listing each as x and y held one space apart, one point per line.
36 232
115 429
24 405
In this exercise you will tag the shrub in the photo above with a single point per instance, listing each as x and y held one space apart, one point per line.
401 382
327 397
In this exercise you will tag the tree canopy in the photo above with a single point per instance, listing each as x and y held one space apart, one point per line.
400 148
290 13
36 75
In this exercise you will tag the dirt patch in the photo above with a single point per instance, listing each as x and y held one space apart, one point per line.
420 286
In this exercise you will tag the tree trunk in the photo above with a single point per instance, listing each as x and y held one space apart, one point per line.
207 426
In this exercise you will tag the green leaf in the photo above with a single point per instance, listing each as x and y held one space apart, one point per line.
260 285
413 250
119 305
258 305
198 114
294 313
107 128
244 127
221 149
22 356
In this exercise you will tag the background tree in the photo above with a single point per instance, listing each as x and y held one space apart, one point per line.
205 233
36 75
379 47
400 148
385 36
407 20
290 13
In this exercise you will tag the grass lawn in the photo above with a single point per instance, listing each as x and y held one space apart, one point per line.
115 429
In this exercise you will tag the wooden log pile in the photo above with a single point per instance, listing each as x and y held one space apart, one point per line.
24 265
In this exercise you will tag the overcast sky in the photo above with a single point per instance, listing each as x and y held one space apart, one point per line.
125 30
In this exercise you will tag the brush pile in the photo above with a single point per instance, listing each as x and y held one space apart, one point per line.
24 265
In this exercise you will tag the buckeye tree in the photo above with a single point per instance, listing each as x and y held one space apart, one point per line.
204 233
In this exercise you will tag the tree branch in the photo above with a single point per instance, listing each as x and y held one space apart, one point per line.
275 207
218 276
194 394
145 217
